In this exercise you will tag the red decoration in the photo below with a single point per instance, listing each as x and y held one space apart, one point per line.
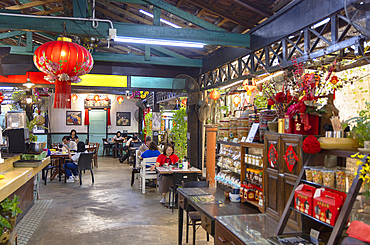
311 145
290 158
96 98
272 155
119 99
74 97
334 80
87 121
184 102
215 95
109 122
248 87
63 62
1 98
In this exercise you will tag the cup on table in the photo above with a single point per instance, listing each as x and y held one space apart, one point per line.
367 144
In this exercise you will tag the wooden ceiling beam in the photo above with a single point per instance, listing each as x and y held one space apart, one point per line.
114 16
126 13
49 11
223 14
179 2
264 13
32 4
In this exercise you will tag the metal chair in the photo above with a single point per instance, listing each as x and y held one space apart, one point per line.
194 216
84 163
177 179
54 163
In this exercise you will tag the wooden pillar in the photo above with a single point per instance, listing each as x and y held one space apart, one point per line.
194 141
211 131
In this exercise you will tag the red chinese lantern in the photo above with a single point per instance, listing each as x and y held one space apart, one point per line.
74 97
248 87
1 98
214 95
63 62
96 98
120 99
237 100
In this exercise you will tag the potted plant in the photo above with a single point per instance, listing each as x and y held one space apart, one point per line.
361 128
8 216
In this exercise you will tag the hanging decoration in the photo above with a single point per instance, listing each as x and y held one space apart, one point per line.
334 80
63 62
1 100
290 158
272 155
237 100
249 88
74 98
184 102
214 95
119 99
143 94
96 98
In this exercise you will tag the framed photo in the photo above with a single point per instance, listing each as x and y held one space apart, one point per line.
156 121
73 117
123 119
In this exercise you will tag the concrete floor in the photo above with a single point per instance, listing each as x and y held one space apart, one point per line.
107 212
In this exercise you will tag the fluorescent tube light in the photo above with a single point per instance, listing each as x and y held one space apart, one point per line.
323 22
161 20
158 42
269 77
232 84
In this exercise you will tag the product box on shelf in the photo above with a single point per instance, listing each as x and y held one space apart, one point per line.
327 206
303 198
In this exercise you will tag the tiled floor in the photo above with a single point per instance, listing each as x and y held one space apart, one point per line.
107 212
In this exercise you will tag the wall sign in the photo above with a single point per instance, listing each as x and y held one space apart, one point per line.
290 158
100 104
272 155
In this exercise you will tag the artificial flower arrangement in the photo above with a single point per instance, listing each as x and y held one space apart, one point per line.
311 145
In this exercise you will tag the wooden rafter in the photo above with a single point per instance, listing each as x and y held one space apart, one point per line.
32 4
126 13
223 14
179 2
264 13
114 16
49 11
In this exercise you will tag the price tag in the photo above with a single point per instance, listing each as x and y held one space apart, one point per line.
244 139
252 132
226 138
235 140
314 235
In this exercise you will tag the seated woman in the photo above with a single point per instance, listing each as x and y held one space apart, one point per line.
73 165
165 181
117 146
73 136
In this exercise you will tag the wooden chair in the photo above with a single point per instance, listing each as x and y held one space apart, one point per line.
54 163
193 218
94 148
107 147
84 163
118 147
145 172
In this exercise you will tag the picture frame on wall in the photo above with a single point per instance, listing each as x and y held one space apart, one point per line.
73 117
156 121
123 119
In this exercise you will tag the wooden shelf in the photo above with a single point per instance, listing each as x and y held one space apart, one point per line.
253 145
338 153
228 143
318 185
258 167
254 183
309 216
255 203
223 187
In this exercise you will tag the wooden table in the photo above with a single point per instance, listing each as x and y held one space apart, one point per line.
116 147
62 158
187 200
171 170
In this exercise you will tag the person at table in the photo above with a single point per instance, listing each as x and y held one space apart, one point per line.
74 136
118 136
165 181
132 139
71 170
144 147
151 152
68 144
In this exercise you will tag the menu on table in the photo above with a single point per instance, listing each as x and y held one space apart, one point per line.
206 199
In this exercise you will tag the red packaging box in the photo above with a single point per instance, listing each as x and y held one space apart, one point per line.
327 206
303 198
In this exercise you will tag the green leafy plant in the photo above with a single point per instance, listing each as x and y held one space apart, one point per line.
30 125
260 101
224 108
9 206
179 132
361 128
147 130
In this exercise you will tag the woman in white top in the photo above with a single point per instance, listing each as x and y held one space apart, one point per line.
118 136
73 165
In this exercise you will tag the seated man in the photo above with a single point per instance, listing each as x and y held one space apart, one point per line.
73 165
68 144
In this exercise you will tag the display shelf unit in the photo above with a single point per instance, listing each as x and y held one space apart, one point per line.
336 230
228 143
223 187
244 147
220 168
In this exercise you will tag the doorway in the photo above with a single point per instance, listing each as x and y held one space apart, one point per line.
98 127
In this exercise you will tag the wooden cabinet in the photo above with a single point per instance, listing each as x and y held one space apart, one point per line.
224 236
279 181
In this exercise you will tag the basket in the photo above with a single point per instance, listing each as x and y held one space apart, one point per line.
346 144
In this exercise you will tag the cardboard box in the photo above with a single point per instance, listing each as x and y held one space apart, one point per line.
327 206
303 198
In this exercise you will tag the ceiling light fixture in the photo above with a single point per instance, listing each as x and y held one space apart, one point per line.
158 42
161 20
28 84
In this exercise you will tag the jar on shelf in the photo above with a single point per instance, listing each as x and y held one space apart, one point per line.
222 133
340 179
350 176
317 175
328 177
308 172
260 176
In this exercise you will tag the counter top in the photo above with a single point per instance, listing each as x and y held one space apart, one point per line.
250 228
16 177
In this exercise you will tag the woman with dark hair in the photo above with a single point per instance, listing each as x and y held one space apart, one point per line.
152 152
165 181
117 146
73 136
73 165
